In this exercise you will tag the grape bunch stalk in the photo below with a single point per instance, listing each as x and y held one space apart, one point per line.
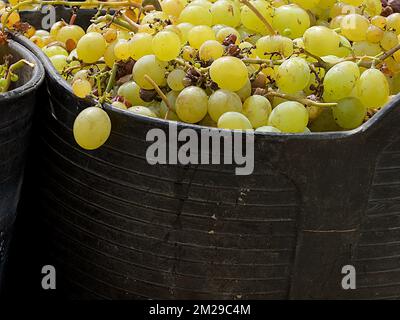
272 66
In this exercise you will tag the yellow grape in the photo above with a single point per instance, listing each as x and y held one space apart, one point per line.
140 45
234 121
151 66
122 49
269 46
92 127
349 113
172 7
257 109
211 50
321 41
59 62
222 101
307 4
131 92
223 32
200 34
196 15
373 89
81 88
354 27
143 111
289 116
191 104
166 45
291 21
293 75
225 12
229 73
175 79
91 47
68 32
251 21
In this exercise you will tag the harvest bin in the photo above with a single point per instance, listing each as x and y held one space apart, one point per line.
16 111
121 228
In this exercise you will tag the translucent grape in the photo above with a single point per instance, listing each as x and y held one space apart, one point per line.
92 127
172 7
59 62
226 31
257 109
222 101
393 22
389 40
321 41
151 66
140 45
143 111
225 12
293 75
373 89
109 56
91 47
55 50
234 121
184 27
191 104
269 46
291 21
175 79
200 34
166 45
354 27
340 80
251 21
196 15
131 92
81 88
307 4
211 50
229 73
290 117
122 50
349 113
72 32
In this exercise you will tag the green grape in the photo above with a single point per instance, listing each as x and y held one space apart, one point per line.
166 45
293 75
393 22
245 91
229 73
200 34
140 45
373 7
131 92
234 121
54 51
196 15
225 12
324 122
172 7
269 46
344 48
307 4
155 17
365 48
321 41
122 50
92 127
109 56
289 116
201 3
291 21
191 104
184 27
349 113
389 40
143 111
257 109
373 89
59 62
151 66
208 122
222 33
189 53
175 79
171 97
119 105
340 80
211 50
56 27
374 34
91 47
268 129
222 101
251 21
68 32
354 27
81 88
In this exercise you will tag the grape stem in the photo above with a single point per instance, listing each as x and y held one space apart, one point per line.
304 101
111 81
113 20
263 61
259 15
160 93
17 65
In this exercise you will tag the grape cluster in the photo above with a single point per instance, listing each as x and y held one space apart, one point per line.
290 66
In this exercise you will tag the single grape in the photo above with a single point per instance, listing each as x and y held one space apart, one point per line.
223 32
245 91
172 7
151 66
349 113
91 47
257 109
373 89
354 27
55 50
200 34
268 129
171 97
131 92
291 21
191 104
59 62
321 41
92 127
122 49
81 88
166 45
140 45
274 47
251 21
196 15
225 12
229 73
340 80
175 79
109 56
293 75
307 4
143 111
68 32
234 121
119 105
222 101
211 50
290 117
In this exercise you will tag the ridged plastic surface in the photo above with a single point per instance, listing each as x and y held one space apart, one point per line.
120 228
16 111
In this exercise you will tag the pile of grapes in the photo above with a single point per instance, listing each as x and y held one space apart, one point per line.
291 66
